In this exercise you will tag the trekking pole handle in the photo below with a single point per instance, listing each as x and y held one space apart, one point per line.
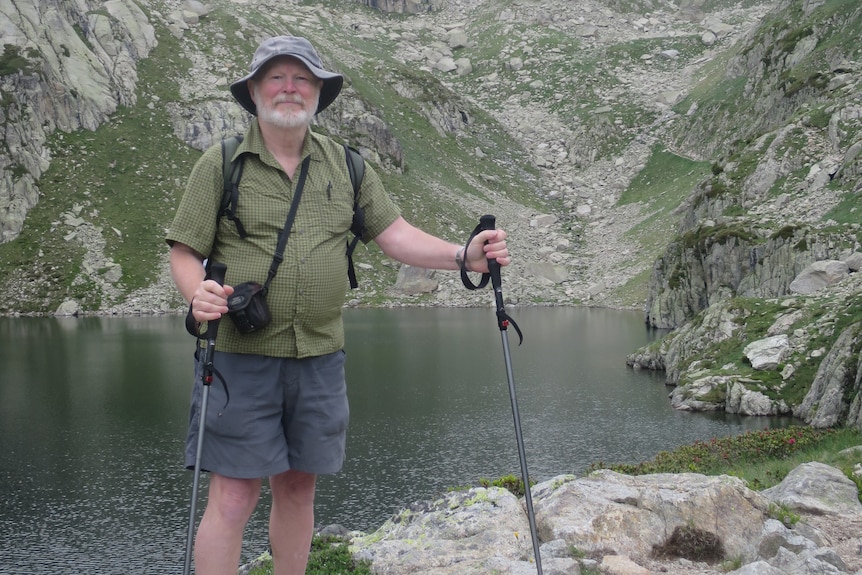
488 222
503 320
217 274
218 271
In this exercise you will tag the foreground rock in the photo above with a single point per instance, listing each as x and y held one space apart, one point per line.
670 523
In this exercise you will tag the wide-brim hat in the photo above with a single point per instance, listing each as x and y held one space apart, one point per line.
298 48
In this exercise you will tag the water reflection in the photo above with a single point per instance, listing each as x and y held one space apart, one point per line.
93 414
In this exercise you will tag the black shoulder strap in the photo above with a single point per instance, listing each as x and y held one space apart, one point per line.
232 172
356 169
288 224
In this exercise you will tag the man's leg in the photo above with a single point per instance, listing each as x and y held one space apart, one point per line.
291 521
218 543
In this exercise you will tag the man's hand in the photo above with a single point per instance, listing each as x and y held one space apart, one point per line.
210 300
479 252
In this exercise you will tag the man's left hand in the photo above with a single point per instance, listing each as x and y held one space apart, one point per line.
488 244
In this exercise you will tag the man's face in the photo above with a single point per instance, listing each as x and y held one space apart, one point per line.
286 93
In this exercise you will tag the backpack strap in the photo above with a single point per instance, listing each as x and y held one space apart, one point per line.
356 169
232 172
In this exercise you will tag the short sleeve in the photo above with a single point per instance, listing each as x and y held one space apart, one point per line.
379 208
195 220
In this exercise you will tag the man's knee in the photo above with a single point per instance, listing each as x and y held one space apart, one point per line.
233 499
294 486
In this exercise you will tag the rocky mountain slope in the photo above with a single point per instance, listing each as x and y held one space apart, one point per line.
665 156
549 126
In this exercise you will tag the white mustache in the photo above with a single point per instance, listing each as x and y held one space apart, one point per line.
287 99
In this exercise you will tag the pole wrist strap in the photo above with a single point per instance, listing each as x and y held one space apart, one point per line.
465 279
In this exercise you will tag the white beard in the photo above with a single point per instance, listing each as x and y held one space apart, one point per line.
287 118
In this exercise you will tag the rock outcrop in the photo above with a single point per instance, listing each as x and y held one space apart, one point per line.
786 351
649 523
67 67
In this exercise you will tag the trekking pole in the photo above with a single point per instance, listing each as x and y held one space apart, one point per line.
503 320
217 272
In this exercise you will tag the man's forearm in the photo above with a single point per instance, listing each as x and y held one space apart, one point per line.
187 270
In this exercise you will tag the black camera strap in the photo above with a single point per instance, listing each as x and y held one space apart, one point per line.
192 326
285 231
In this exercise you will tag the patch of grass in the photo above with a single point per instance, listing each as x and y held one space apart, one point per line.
634 292
704 237
689 47
329 556
732 564
14 60
661 186
846 211
666 180
781 512
514 484
762 458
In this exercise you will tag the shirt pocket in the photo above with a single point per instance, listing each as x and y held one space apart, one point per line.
264 201
329 208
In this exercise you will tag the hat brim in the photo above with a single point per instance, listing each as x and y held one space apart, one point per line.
332 84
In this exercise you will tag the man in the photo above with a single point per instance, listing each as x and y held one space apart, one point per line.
286 414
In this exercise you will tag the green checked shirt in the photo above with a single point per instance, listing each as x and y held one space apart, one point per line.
308 292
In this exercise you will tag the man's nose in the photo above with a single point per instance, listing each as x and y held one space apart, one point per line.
290 85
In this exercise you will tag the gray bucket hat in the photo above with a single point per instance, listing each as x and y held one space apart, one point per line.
299 48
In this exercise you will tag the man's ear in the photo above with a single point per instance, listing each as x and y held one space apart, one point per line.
252 91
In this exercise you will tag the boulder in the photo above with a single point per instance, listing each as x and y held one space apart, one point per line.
818 489
768 353
412 280
818 275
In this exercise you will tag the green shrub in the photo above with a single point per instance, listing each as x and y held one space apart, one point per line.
514 484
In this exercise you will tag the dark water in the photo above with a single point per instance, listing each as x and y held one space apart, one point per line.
93 415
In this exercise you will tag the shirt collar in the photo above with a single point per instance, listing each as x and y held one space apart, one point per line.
254 144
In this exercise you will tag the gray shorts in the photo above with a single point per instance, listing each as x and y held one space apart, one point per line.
278 414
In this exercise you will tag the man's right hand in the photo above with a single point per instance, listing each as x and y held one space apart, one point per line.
210 300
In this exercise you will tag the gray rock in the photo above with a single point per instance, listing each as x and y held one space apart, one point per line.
68 308
549 272
766 354
412 280
818 275
624 515
818 489
614 519
837 379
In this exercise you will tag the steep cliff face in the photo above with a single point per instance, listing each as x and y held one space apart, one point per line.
790 65
718 261
796 355
785 130
66 66
835 397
